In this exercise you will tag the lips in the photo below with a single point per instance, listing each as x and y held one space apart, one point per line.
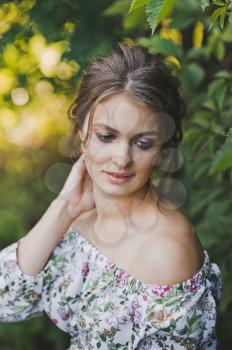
118 174
118 180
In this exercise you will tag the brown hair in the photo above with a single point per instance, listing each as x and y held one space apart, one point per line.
144 76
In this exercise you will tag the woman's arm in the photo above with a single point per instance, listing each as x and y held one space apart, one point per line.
75 198
20 294
36 247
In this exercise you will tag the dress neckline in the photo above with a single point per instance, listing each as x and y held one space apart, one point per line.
191 284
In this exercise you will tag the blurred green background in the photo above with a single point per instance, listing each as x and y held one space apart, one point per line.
45 46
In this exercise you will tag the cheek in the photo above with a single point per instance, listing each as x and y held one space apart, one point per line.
144 170
147 160
96 157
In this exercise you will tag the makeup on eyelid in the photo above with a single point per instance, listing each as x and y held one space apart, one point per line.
145 144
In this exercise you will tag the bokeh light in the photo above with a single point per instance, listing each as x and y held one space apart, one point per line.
7 80
8 118
43 87
49 58
55 176
19 96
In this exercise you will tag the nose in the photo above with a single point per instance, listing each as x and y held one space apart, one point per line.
122 159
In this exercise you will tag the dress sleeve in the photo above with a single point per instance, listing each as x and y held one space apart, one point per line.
20 294
187 321
191 331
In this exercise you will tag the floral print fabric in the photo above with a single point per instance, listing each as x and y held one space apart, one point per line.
103 307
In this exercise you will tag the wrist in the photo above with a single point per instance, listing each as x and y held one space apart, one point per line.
66 208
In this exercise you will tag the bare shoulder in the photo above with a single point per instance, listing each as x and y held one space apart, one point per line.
177 251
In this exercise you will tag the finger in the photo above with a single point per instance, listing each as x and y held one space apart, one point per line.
75 178
82 158
80 163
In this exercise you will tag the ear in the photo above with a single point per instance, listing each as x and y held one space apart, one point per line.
83 131
81 135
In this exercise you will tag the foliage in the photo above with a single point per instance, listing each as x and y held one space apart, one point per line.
201 58
45 46
157 10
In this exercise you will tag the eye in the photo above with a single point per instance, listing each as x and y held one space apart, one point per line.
104 137
107 138
145 145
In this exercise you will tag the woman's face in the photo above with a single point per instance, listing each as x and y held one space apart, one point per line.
124 139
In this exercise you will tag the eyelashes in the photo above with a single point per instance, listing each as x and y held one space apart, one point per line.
107 138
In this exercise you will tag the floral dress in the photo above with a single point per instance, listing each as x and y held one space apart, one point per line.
102 307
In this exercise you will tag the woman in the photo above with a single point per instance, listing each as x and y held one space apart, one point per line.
112 261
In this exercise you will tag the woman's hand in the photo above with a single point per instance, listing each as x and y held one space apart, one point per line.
77 191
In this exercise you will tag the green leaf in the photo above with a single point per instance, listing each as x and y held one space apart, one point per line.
210 104
226 35
193 138
135 4
173 322
220 97
181 20
166 9
193 74
218 3
160 45
135 19
195 53
223 158
182 331
230 17
203 118
223 74
204 4
222 20
107 306
217 129
215 16
172 300
157 10
117 8
205 201
195 326
215 86
153 9
185 14
193 319
220 51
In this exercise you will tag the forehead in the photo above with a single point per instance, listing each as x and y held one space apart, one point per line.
125 114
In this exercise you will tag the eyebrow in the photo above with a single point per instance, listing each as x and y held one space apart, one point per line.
150 132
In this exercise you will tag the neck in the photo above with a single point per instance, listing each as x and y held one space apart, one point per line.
114 212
